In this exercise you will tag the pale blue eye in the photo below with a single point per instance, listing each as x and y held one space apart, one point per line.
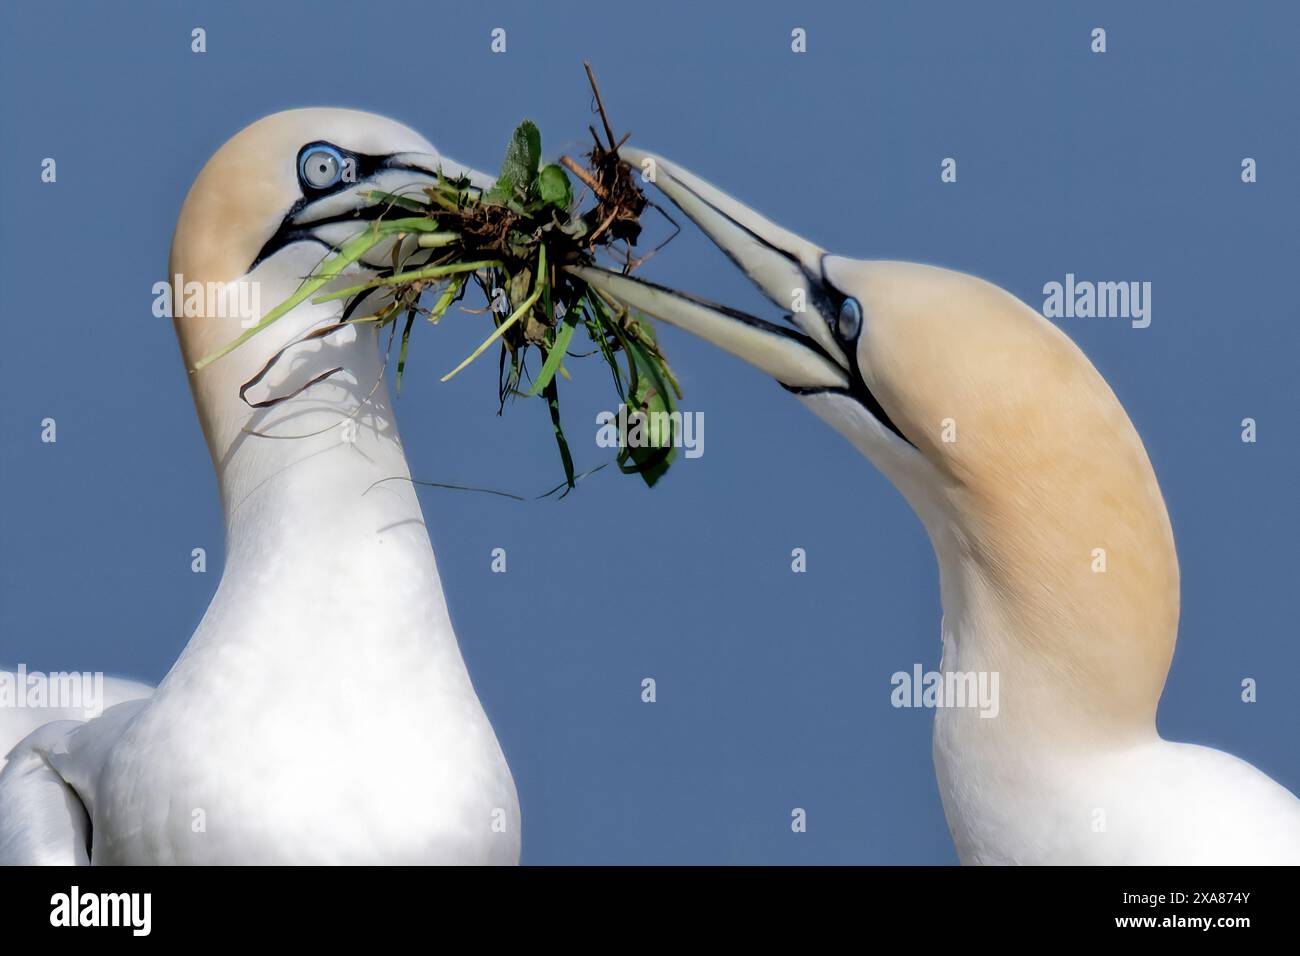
850 320
321 167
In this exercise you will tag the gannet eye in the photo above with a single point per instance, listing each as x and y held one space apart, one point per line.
850 321
321 167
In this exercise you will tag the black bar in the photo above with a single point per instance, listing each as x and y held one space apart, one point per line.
939 904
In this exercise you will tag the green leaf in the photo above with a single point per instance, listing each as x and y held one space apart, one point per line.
652 394
556 355
554 188
518 177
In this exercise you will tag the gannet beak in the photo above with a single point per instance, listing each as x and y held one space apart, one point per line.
401 174
786 267
332 216
431 164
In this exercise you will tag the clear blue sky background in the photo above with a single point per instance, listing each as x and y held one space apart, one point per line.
773 688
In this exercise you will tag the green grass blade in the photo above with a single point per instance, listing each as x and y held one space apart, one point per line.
401 355
379 196
446 299
553 406
555 356
348 253
518 314
428 272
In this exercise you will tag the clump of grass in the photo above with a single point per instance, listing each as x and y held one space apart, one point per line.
511 243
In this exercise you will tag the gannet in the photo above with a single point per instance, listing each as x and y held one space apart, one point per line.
1021 463
321 712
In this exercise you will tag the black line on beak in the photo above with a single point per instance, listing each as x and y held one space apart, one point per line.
815 283
754 321
289 231
824 296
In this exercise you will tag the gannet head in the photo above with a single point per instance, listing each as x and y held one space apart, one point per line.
1005 439
270 204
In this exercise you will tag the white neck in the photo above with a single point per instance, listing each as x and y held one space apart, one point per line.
325 686
1071 768
321 711
1046 636
992 771
319 471
331 456
323 525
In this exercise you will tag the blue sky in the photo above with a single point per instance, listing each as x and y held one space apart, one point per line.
773 688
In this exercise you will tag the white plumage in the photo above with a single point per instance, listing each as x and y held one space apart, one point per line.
321 712
1024 468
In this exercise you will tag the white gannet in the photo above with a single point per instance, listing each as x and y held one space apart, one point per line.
321 712
1045 467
